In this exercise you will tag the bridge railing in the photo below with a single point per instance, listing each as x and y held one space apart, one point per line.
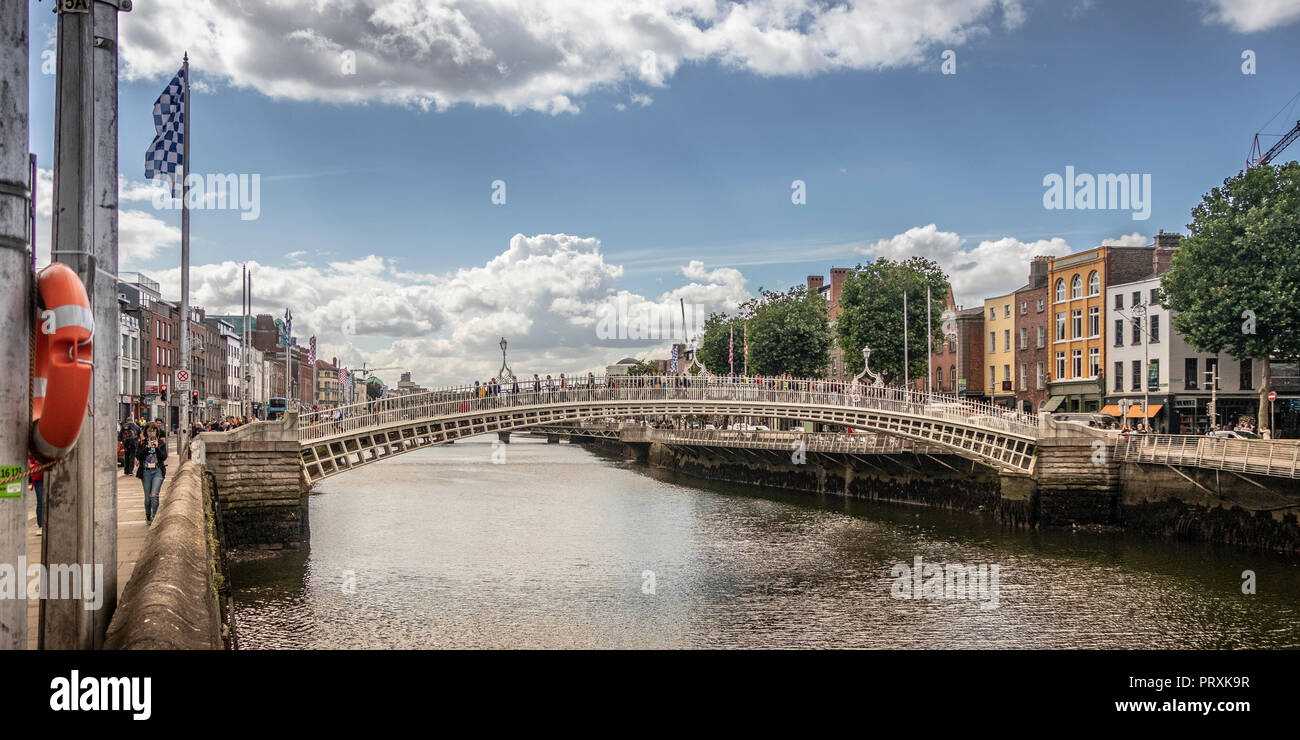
862 444
470 399
1262 456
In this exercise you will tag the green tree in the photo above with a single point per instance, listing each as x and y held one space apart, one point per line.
788 333
643 368
871 315
714 342
1234 283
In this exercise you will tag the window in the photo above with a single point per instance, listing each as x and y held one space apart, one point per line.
1040 375
1154 301
1006 340
1060 326
1076 287
1094 361
1060 365
1153 376
1024 307
1006 373
1137 298
1006 311
1119 300
1189 373
993 378
1247 375
1137 332
1024 337
1094 283
952 375
1137 375
993 341
1060 290
1154 329
938 376
1024 375
1076 322
1119 332
1042 336
1040 305
1119 376
993 314
1094 321
1076 363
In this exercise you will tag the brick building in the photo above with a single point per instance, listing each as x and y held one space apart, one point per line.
1031 338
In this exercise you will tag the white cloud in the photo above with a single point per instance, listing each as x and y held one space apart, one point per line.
989 268
141 235
544 293
1128 240
1249 16
530 54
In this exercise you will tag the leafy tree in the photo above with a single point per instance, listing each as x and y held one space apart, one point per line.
788 333
1234 283
871 315
643 368
714 342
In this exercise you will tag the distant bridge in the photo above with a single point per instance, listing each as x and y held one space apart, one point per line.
341 439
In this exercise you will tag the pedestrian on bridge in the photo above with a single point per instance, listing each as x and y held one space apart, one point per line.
152 457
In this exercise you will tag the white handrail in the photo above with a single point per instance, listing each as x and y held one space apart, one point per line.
448 402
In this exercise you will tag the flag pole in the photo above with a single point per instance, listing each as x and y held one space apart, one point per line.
906 381
929 342
186 410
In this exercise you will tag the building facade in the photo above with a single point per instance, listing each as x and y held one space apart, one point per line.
1031 337
999 357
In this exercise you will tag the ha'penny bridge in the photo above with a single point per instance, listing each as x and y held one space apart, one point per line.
250 488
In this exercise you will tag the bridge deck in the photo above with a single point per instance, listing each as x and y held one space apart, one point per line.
1263 457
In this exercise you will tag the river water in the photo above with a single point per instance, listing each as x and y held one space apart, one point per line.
562 547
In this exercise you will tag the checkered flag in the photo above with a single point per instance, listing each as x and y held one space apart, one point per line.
672 366
163 160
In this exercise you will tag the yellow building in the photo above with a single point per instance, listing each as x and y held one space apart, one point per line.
1076 293
999 354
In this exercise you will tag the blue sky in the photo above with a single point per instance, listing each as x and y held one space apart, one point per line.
704 170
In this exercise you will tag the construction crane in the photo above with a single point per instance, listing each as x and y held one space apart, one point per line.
1256 159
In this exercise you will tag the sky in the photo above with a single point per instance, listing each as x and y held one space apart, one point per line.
434 175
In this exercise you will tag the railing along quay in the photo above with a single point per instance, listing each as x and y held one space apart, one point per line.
1273 457
447 402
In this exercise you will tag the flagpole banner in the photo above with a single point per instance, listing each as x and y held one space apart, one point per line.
163 160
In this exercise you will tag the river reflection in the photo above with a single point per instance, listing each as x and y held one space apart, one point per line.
561 547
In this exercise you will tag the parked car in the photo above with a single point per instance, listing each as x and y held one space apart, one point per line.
1234 434
1088 419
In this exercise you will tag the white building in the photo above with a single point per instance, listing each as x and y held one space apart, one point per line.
1147 357
129 386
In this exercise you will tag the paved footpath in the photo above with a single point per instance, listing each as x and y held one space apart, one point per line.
131 530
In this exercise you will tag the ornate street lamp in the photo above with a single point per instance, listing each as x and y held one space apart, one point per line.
505 375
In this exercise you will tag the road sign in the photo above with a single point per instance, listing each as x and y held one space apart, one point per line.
183 376
1272 395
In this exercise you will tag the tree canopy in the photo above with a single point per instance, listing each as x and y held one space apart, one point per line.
1234 283
789 333
871 315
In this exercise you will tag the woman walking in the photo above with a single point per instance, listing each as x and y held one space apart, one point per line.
152 456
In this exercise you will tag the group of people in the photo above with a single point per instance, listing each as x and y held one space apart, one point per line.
224 424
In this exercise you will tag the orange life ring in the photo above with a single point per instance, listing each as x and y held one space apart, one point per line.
62 376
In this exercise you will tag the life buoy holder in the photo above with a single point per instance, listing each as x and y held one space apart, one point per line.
62 374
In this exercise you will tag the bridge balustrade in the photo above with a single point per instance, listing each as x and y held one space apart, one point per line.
1263 456
447 402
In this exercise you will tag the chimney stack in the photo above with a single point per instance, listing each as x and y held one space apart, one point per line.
815 283
1166 245
1038 271
837 280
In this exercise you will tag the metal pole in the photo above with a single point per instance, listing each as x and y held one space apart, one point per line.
184 435
906 380
16 186
929 342
106 377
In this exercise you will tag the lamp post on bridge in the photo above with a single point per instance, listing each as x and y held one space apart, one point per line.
505 374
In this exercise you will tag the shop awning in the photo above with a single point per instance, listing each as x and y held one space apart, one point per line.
1111 410
1135 411
1053 404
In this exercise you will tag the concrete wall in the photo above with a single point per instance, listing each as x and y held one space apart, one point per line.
261 494
171 601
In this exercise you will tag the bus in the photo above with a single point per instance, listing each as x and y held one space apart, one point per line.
276 408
